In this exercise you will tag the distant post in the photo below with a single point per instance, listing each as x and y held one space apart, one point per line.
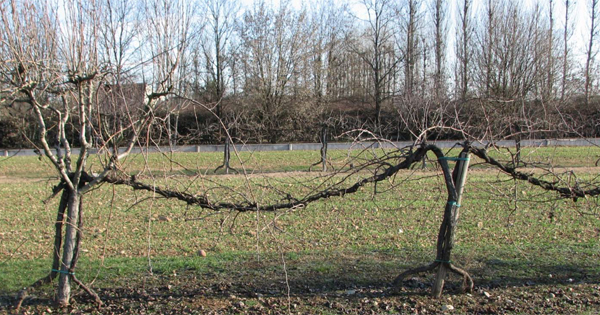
324 147
323 139
226 157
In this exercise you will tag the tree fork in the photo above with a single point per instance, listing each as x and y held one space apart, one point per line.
445 243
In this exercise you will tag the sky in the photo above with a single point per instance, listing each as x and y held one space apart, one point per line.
580 16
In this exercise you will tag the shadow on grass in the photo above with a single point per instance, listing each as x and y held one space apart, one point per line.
353 276
344 276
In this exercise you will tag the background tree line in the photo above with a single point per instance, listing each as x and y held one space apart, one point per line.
499 69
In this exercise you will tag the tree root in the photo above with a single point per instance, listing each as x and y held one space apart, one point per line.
398 281
89 291
467 280
23 294
320 163
227 168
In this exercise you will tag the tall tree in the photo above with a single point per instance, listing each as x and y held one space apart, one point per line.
222 15
379 36
275 43
489 40
549 90
591 50
567 30
464 49
411 44
440 31
330 24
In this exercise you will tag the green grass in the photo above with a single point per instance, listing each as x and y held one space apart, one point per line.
378 235
278 161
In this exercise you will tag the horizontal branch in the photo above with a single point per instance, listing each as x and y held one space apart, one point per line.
204 202
406 162
565 192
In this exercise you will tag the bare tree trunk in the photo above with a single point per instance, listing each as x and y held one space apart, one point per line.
445 242
411 54
324 148
440 45
550 85
448 227
489 42
590 54
58 227
226 157
565 51
324 143
70 241
463 49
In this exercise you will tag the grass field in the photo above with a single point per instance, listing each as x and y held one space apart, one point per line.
529 251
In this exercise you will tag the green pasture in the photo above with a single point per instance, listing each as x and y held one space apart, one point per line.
205 163
507 230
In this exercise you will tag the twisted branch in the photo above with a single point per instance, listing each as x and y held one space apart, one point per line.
204 202
564 192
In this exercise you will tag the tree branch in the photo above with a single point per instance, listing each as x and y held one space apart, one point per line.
204 202
564 192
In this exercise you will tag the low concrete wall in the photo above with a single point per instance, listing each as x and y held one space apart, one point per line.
317 146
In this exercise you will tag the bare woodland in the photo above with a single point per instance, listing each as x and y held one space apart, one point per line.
276 74
107 74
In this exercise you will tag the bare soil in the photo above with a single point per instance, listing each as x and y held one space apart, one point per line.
189 292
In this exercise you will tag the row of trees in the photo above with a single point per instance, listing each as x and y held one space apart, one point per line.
277 73
108 73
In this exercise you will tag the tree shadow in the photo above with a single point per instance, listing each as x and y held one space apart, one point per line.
352 279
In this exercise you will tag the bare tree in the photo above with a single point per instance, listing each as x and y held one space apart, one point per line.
488 40
550 71
463 49
507 55
379 36
410 46
329 23
591 50
565 60
222 17
64 69
274 42
440 31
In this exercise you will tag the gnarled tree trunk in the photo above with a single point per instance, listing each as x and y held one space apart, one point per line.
445 243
